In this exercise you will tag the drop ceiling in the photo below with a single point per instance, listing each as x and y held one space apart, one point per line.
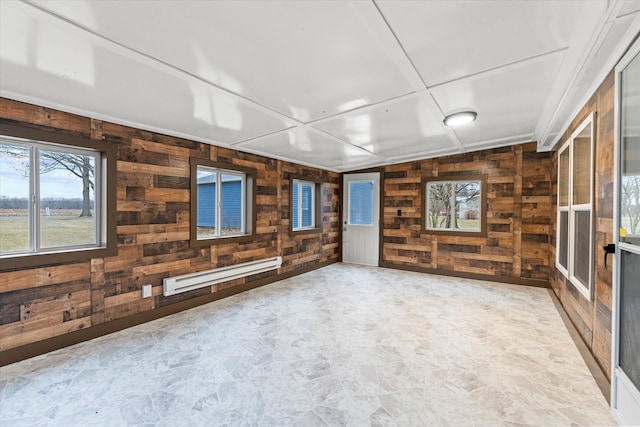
340 85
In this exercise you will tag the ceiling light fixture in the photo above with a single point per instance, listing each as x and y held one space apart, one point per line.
460 119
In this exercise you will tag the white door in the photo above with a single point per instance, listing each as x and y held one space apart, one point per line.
625 384
361 218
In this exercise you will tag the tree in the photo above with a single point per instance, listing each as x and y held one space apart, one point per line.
630 203
445 197
76 164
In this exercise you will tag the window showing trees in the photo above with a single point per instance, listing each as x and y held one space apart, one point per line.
630 195
454 206
47 197
223 203
53 198
574 247
305 204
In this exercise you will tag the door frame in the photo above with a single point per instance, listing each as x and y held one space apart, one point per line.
618 378
380 171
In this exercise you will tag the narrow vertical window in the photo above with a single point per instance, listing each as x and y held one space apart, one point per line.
574 241
303 205
562 250
306 216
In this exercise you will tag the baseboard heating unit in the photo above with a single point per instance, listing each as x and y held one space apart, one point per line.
188 282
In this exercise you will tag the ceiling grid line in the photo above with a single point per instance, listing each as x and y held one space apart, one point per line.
404 51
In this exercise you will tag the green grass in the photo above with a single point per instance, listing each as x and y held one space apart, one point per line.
55 231
463 224
466 224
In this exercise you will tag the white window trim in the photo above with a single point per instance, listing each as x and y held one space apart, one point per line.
569 272
218 214
567 209
313 203
34 148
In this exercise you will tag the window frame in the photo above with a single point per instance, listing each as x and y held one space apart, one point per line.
563 209
316 211
455 179
573 208
105 198
248 210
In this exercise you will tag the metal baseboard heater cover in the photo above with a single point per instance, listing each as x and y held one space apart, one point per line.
188 282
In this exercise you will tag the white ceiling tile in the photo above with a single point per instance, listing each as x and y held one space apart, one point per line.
449 39
310 147
523 89
340 85
394 129
304 59
629 7
42 59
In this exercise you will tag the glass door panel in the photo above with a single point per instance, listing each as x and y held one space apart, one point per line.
625 385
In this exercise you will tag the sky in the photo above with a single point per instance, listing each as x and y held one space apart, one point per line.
58 183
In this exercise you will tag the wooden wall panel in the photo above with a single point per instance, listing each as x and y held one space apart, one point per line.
45 302
518 216
302 251
592 318
153 219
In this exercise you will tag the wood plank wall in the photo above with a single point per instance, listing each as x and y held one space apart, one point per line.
592 319
153 216
518 217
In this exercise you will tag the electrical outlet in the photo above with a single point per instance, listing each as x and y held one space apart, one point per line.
146 291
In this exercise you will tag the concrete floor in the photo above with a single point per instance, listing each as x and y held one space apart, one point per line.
343 345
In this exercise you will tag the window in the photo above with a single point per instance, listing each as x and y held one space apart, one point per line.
361 202
574 247
305 205
223 205
54 198
454 205
302 205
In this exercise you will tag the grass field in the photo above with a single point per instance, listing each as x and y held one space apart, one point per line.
463 224
63 228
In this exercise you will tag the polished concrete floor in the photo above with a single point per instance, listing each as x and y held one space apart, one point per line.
343 345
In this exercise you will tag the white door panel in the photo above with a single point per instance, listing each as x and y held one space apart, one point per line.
361 218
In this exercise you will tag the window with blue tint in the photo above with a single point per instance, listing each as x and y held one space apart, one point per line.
220 203
295 192
306 205
303 205
231 204
361 203
207 203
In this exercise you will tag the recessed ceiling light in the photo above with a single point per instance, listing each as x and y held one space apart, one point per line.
461 118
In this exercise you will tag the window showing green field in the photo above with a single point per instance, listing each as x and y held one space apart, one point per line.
62 227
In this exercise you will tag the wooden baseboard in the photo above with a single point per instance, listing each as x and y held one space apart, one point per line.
587 356
464 275
54 343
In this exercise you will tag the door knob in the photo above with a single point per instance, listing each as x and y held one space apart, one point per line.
608 249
